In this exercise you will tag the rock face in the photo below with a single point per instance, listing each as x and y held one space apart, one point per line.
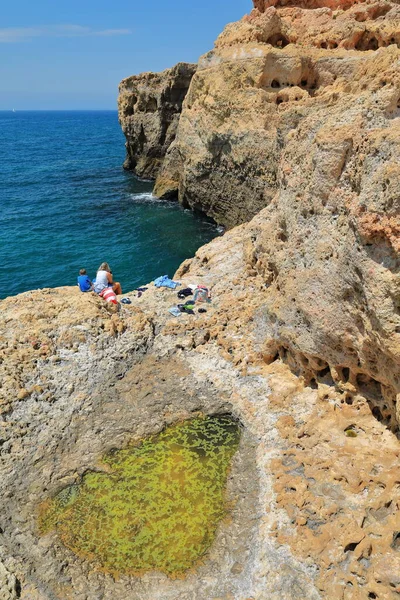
298 111
294 116
149 106
313 489
282 76
262 5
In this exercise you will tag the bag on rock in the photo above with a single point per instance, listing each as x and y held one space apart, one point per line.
201 294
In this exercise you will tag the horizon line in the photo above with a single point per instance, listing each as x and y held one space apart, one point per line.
12 110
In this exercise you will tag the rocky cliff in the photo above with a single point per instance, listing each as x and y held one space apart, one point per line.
296 113
149 107
294 116
284 75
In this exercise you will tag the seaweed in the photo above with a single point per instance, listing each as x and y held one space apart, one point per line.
159 505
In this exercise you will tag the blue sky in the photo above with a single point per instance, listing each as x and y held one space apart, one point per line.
71 54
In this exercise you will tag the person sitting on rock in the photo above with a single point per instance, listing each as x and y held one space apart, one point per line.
85 285
104 279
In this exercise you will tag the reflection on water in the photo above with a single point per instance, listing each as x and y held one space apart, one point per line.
159 505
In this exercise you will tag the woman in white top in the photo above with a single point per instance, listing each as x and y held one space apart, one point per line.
104 279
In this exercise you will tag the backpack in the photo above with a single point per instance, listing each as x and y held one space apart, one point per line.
201 294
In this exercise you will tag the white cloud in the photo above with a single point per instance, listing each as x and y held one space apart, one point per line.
14 35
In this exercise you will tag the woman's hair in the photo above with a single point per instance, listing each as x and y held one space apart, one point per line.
104 267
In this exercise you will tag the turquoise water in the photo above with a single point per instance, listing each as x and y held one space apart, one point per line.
66 203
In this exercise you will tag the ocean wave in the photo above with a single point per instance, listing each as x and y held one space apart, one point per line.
146 197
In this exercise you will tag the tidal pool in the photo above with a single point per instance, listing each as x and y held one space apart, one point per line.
158 505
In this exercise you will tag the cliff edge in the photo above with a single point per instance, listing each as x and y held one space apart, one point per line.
295 117
149 106
285 77
289 135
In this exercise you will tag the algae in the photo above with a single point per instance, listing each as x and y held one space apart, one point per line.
351 431
159 505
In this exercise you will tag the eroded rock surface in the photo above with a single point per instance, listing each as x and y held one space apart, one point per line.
314 507
294 116
297 110
149 107
287 80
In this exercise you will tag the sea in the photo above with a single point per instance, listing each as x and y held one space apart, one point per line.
66 204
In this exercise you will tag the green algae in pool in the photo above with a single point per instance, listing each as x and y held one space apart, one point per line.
159 505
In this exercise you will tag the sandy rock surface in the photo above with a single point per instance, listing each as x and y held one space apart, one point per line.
314 510
295 117
291 105
292 121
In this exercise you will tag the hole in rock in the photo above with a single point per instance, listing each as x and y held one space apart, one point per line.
346 373
177 95
368 386
275 84
151 105
379 11
377 413
142 137
325 372
366 42
157 504
351 547
396 541
372 595
278 40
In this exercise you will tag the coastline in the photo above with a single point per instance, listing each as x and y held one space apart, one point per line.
60 211
288 134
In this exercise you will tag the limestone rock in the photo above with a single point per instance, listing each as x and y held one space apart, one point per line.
262 5
299 110
280 77
149 106
9 585
301 340
314 510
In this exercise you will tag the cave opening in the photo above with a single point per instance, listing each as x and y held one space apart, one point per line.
278 40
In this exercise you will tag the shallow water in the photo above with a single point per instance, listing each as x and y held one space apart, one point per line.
66 204
157 507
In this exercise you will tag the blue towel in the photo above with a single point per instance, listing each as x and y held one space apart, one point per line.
165 281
